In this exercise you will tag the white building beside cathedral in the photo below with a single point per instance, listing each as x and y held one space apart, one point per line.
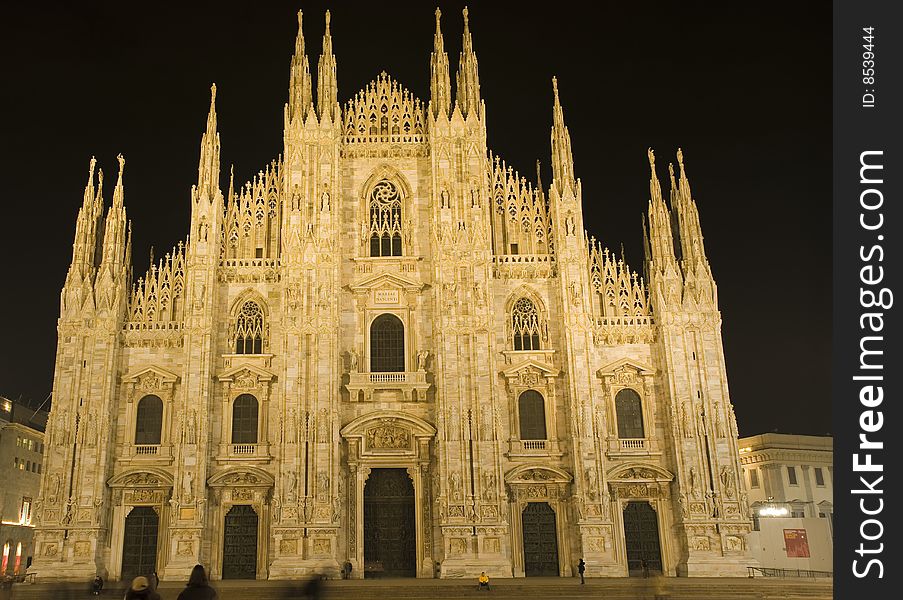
390 350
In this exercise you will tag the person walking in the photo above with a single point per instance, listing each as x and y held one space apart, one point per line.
141 589
483 581
581 568
198 588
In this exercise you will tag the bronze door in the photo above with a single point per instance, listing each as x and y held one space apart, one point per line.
139 548
641 536
540 540
240 543
389 531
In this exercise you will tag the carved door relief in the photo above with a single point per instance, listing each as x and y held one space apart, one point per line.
540 540
641 538
139 548
389 526
240 543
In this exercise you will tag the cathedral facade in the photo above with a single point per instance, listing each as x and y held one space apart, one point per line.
390 352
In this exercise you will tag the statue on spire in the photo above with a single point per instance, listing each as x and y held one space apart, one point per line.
468 75
440 83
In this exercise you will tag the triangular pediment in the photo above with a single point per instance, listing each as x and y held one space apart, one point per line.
639 472
625 363
381 281
245 369
532 473
530 365
150 372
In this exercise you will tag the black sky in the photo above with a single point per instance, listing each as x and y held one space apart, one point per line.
743 88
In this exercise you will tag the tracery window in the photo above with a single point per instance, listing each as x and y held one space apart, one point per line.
531 409
385 220
387 344
629 409
526 325
249 329
244 420
149 421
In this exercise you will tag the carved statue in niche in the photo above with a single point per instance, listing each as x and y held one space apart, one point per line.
352 361
192 437
570 225
322 484
54 489
727 482
719 425
422 358
488 486
188 486
202 229
199 291
694 482
324 198
684 511
291 426
688 420
291 485
591 483
455 481
443 199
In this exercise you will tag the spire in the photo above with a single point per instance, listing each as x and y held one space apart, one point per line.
208 168
660 244
114 239
538 177
562 160
468 82
82 245
327 90
299 95
440 83
691 242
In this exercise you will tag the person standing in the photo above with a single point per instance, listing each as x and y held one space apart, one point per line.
198 588
581 568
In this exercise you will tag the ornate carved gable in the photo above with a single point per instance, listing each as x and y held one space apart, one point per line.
141 478
384 281
529 373
241 477
150 378
623 366
639 472
246 376
537 473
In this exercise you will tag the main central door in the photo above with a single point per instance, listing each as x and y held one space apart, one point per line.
240 543
139 547
389 530
644 552
540 540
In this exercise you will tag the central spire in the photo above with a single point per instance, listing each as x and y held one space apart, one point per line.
468 82
440 83
208 167
299 94
562 160
327 89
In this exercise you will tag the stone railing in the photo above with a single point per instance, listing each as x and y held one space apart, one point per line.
523 266
412 384
623 330
147 449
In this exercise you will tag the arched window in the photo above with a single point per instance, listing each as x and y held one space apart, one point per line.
385 220
525 322
249 329
244 420
386 344
629 409
149 420
531 409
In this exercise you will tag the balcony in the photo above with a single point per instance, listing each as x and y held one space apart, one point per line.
525 449
244 453
523 266
243 449
412 385
147 449
632 446
139 453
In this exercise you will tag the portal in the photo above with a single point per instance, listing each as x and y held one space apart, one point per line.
390 535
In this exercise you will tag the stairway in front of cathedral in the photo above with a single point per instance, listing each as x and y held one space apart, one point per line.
456 589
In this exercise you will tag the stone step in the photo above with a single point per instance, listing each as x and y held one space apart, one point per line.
521 589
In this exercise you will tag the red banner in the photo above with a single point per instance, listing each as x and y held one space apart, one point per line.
796 543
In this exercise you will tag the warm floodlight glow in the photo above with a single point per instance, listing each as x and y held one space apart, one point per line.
773 511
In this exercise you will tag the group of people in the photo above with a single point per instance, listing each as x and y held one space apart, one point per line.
145 588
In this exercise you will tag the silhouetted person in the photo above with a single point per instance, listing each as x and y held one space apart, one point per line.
141 589
198 588
314 588
581 568
645 567
346 570
97 586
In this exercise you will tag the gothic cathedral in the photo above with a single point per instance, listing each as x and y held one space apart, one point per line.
390 352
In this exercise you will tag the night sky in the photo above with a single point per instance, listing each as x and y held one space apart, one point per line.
743 88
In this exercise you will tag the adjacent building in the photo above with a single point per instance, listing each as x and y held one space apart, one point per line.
791 493
392 350
21 466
